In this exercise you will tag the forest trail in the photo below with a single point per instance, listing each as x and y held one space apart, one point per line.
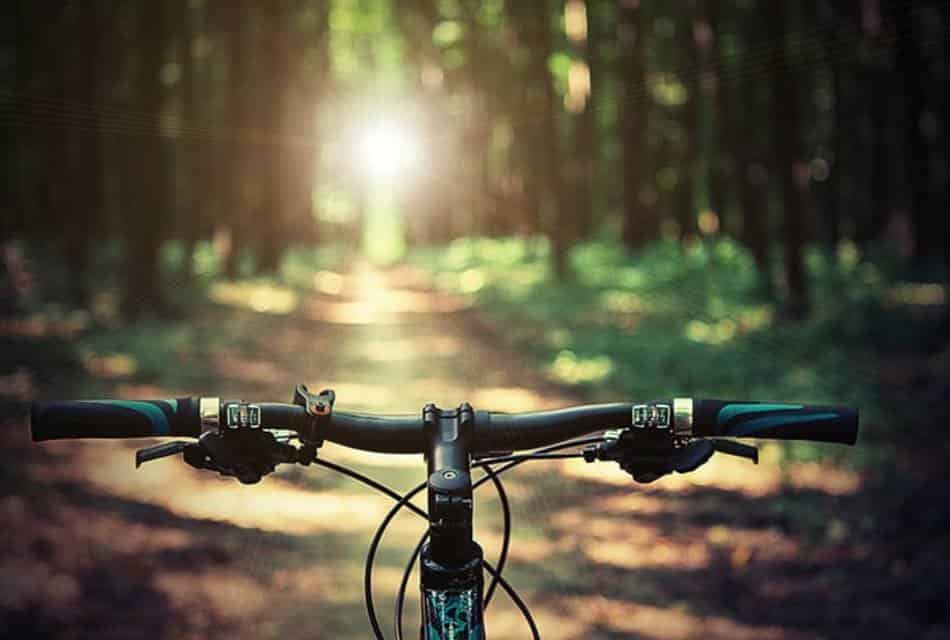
195 555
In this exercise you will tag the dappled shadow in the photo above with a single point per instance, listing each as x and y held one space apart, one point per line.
792 563
732 551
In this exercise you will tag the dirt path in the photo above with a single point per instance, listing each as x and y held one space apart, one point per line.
170 552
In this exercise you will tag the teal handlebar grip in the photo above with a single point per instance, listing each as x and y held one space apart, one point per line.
783 421
114 419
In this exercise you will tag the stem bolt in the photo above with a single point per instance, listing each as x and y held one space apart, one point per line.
449 475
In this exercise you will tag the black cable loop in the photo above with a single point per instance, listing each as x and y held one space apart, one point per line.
401 594
506 533
502 558
405 501
371 558
356 475
521 459
525 613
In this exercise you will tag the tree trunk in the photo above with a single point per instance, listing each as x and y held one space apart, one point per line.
426 206
275 150
641 224
235 205
145 217
746 150
910 67
80 193
689 114
192 166
869 229
833 182
559 232
792 171
838 23
945 107
584 165
533 25
719 182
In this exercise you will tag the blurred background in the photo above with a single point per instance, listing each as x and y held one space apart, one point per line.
522 204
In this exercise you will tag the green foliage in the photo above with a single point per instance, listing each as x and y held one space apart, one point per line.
689 322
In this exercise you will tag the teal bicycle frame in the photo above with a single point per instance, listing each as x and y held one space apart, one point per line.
452 614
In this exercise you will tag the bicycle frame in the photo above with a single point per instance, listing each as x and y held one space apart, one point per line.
453 614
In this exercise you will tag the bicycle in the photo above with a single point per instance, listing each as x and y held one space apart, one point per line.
248 440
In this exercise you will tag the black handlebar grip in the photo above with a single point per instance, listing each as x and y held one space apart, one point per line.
114 419
784 421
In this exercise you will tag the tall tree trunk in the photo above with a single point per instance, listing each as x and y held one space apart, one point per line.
192 165
839 127
689 114
235 205
272 74
641 223
533 23
878 81
528 138
315 88
426 205
584 162
719 183
945 107
146 216
746 148
839 23
792 171
910 68
84 219
559 232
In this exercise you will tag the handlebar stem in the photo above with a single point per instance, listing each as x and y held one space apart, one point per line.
449 435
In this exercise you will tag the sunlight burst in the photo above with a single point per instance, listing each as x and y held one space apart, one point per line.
388 150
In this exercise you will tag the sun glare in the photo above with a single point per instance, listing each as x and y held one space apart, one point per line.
389 150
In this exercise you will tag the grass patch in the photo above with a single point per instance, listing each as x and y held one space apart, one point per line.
694 322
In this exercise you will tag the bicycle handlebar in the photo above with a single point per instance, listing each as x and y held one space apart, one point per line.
493 431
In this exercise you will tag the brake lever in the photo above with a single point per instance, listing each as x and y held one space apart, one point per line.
737 449
692 456
159 451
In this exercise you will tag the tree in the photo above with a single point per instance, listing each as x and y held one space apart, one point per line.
584 74
272 114
145 217
427 204
714 25
793 175
237 97
534 28
193 156
685 201
641 223
742 87
84 218
879 83
910 68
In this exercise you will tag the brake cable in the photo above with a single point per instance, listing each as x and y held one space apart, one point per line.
506 532
526 457
371 558
403 585
405 501
491 474
502 557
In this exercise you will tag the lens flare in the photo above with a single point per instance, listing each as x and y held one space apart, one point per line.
388 151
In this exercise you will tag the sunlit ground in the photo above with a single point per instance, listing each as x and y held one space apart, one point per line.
594 555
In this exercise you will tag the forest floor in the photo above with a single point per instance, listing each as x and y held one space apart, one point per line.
93 547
